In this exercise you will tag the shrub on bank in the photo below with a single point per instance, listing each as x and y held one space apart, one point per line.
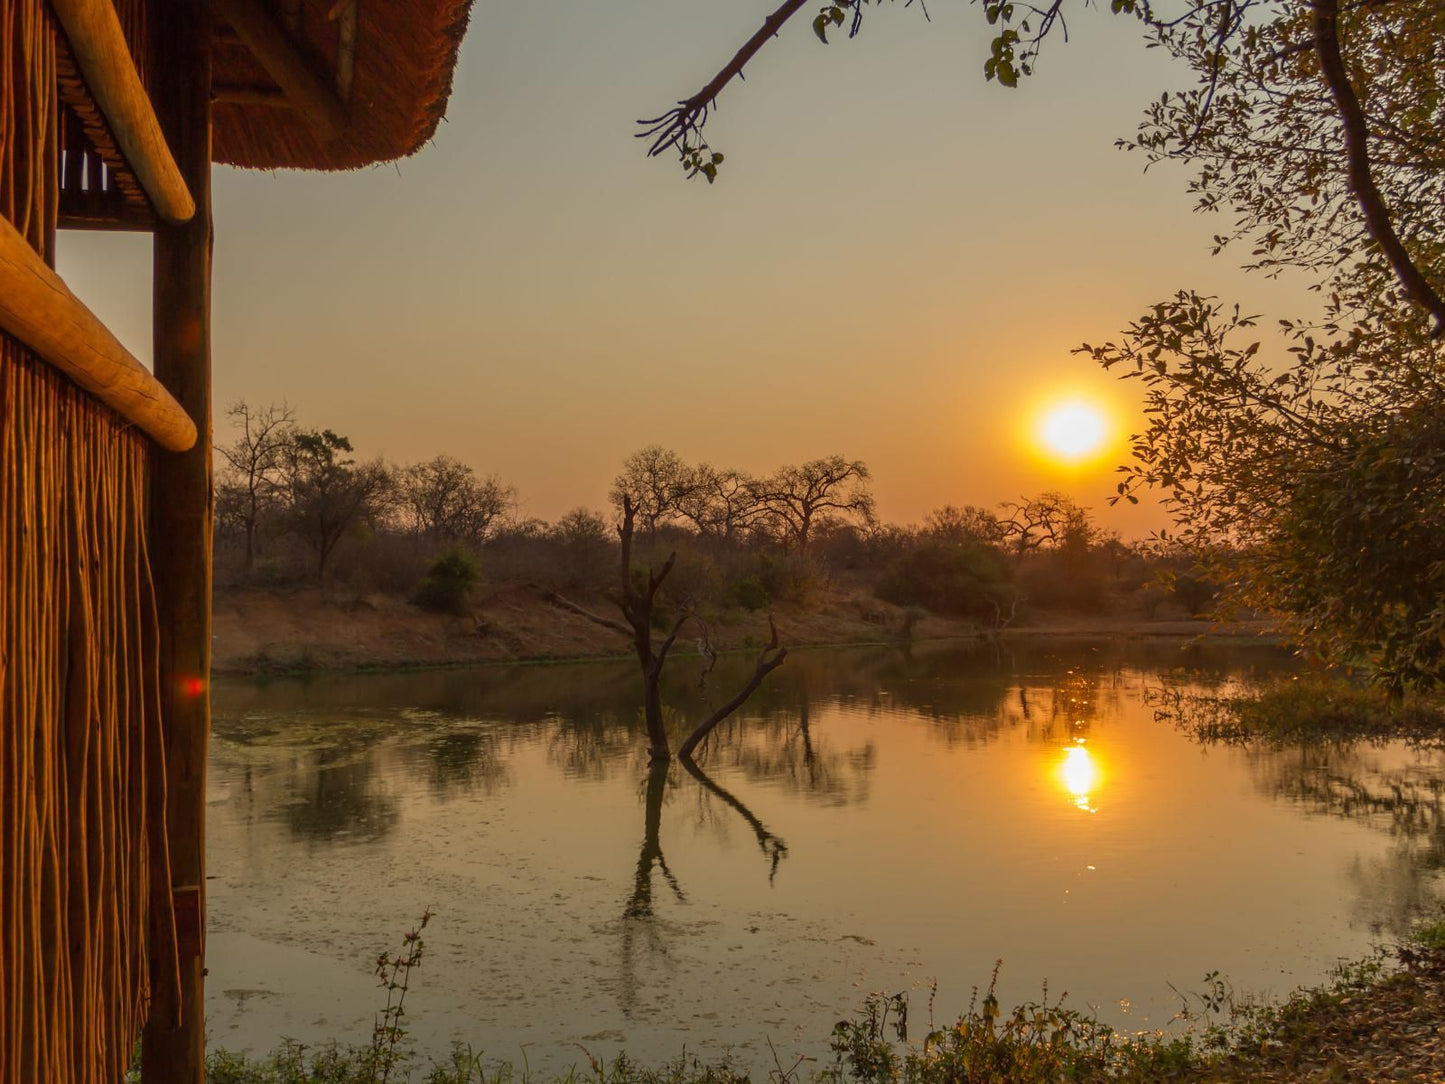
945 578
448 584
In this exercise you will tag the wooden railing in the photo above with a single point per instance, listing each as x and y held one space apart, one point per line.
37 308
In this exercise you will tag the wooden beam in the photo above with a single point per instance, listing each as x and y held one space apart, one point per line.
37 308
98 45
97 208
173 1044
343 13
270 97
312 95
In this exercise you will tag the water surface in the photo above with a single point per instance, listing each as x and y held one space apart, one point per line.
875 819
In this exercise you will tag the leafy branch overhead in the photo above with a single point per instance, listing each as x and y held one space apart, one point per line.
680 128
1320 42
1021 30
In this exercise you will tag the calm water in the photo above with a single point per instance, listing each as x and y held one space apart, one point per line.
875 820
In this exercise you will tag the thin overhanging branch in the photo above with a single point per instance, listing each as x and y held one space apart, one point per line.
596 619
675 128
1357 151
666 644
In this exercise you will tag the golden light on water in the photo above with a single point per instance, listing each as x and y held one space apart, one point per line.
1078 773
1072 431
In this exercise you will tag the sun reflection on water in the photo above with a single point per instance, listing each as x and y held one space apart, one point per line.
1079 774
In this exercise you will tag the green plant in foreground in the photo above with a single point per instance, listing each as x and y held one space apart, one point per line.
1039 1042
388 1049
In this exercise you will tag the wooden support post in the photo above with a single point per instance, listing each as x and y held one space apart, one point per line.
173 1043
277 52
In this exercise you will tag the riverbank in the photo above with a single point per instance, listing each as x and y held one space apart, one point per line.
1380 1020
266 631
1369 1026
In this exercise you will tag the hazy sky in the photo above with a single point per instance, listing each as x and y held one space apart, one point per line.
894 263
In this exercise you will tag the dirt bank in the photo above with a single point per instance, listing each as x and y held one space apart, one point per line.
259 631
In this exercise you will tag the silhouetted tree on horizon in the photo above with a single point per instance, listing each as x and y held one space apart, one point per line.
799 497
257 457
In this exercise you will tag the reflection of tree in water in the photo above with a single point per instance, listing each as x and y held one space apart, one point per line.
460 760
1066 708
1351 781
333 795
772 846
642 928
782 749
588 714
589 744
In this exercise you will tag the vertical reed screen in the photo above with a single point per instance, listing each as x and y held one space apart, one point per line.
85 913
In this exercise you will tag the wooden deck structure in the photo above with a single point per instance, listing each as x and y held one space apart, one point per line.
112 114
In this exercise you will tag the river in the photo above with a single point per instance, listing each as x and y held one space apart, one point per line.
874 819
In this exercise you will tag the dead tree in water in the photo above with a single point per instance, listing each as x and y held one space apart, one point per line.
637 599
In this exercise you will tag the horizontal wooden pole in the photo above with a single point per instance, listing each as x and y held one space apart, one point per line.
98 45
37 308
270 97
311 95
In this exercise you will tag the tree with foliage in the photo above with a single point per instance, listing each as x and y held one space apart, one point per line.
947 576
443 501
585 542
968 525
1307 469
1050 520
798 498
656 482
720 503
327 493
256 459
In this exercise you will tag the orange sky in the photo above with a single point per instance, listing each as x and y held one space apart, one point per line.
894 263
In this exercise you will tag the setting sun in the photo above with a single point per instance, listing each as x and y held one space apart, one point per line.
1073 430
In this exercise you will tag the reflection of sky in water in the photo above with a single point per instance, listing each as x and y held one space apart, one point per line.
876 818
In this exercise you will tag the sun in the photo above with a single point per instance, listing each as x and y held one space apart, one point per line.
1072 431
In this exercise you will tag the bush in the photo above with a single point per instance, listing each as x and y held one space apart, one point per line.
752 594
448 583
948 578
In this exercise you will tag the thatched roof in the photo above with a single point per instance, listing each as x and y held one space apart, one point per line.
404 55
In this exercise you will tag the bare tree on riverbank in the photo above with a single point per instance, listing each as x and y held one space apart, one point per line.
637 599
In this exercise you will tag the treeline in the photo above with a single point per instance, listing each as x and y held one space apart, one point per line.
296 505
